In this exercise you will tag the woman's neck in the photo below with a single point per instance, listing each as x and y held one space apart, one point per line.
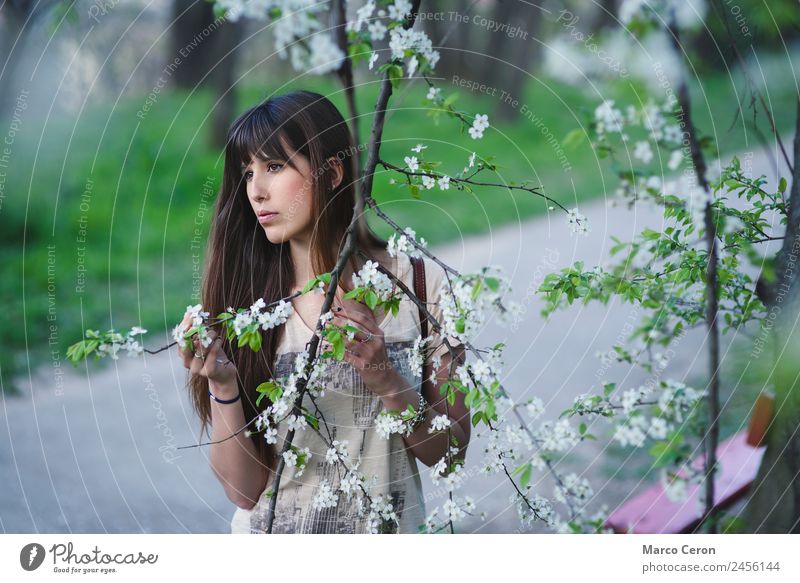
304 271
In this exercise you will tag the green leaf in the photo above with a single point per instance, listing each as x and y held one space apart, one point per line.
313 421
476 289
476 418
525 471
782 185
268 389
255 341
573 138
395 73
371 299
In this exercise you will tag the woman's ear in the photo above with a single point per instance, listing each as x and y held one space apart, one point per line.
337 171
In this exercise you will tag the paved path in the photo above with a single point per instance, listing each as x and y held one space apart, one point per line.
99 456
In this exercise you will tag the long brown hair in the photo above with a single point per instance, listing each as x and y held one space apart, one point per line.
242 265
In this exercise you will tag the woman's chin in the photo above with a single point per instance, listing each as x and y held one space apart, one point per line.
274 236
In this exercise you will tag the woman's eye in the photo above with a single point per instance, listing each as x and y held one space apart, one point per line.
276 166
248 176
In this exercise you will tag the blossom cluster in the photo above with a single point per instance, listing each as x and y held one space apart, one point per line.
257 314
296 20
198 317
297 458
479 124
416 354
107 344
470 301
369 276
675 402
404 244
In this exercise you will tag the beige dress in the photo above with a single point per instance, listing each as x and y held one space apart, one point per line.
350 409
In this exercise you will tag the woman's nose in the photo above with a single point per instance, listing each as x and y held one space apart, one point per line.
260 187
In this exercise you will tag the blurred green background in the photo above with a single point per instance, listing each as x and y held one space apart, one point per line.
82 161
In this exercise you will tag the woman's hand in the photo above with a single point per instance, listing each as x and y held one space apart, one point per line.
210 362
367 351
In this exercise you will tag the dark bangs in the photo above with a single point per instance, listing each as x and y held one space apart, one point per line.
257 134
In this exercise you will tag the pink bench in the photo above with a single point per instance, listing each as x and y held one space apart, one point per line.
739 458
653 512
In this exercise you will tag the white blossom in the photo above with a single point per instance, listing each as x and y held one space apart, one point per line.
325 497
439 423
290 458
377 30
399 10
659 428
369 276
577 222
452 511
632 433
271 435
386 424
556 436
675 160
416 354
573 489
363 14
297 422
416 41
535 407
372 58
643 152
608 118
403 243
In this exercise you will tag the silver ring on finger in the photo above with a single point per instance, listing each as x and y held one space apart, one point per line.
369 337
200 356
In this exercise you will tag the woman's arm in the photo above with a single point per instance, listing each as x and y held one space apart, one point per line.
235 461
431 447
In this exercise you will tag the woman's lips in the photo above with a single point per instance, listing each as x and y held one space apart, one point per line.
266 218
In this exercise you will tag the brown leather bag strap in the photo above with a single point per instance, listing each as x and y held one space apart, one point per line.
420 291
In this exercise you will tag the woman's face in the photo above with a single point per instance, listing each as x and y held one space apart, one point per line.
275 187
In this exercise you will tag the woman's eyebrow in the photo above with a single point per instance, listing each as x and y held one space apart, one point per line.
265 160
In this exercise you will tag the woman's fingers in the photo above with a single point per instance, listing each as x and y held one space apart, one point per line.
216 355
186 355
361 315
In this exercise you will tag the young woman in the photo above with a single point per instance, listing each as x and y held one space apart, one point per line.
286 199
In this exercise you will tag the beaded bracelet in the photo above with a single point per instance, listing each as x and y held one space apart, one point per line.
223 401
420 416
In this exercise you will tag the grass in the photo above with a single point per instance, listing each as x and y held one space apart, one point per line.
148 179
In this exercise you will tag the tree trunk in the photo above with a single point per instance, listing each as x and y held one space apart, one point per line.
224 79
513 55
192 32
774 504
